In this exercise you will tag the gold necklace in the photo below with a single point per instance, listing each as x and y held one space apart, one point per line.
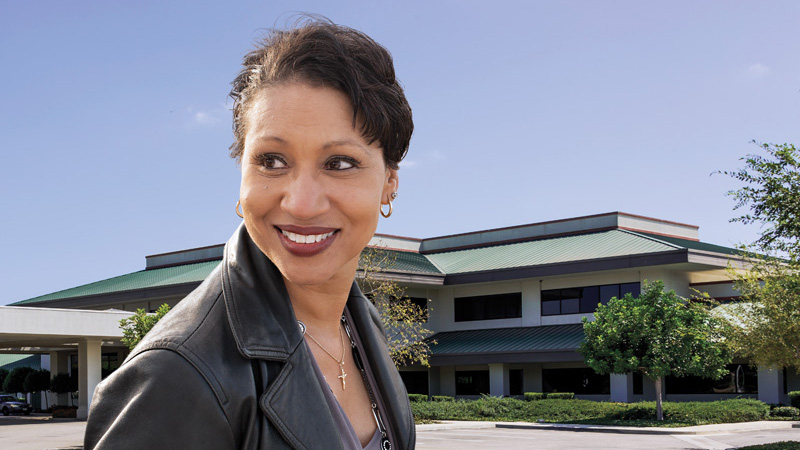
339 361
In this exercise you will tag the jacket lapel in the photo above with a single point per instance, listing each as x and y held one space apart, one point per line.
391 389
264 327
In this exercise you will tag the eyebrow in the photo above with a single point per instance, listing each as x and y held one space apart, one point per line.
345 142
270 139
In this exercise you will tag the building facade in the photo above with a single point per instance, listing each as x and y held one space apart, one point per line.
505 304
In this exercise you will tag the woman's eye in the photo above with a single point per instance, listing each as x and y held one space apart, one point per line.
341 164
271 162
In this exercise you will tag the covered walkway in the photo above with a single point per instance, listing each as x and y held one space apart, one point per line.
59 332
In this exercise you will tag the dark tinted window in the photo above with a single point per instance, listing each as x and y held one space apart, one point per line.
472 382
590 297
579 381
583 299
551 308
607 292
488 307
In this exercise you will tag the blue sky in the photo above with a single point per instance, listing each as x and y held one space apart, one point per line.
115 128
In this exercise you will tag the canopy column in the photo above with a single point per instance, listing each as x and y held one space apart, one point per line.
89 373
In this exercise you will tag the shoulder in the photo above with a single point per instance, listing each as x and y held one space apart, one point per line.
156 401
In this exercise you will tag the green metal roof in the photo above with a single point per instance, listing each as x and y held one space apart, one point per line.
695 245
573 248
580 247
9 361
197 272
137 280
503 340
399 261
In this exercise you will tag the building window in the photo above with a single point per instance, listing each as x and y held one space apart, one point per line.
515 382
416 381
740 379
583 300
108 364
488 307
472 382
582 381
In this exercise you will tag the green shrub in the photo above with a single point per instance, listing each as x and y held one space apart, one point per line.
531 396
587 411
794 398
785 411
442 398
417 398
561 395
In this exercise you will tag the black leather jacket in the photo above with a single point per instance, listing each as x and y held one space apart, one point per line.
227 369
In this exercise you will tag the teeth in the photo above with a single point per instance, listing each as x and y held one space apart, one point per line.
306 238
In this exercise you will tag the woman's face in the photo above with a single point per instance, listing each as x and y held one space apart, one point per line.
311 185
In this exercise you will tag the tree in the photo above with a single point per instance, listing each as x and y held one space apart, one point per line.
3 375
37 381
657 334
135 327
63 383
765 325
15 381
403 321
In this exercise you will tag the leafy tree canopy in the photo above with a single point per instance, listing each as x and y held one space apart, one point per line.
772 193
135 327
765 326
657 334
15 380
403 321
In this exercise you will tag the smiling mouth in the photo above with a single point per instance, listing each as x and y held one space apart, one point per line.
306 238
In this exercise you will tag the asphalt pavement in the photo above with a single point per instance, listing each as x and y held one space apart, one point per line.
39 432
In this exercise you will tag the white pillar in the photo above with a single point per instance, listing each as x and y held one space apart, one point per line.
498 380
89 362
622 388
770 385
447 380
434 381
532 378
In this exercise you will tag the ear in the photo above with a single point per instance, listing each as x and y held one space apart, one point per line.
390 187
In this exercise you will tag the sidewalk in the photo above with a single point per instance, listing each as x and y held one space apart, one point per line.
743 427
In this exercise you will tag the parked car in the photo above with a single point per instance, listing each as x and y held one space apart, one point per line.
12 405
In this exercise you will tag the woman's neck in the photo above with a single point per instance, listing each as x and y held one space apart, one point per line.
319 307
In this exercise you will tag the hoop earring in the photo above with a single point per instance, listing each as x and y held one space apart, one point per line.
386 215
240 214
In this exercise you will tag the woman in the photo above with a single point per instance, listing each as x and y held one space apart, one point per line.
278 348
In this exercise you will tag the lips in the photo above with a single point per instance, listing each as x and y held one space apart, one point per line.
306 241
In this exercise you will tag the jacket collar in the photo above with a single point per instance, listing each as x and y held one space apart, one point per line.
259 311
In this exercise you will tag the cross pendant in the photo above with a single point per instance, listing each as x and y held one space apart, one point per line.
342 376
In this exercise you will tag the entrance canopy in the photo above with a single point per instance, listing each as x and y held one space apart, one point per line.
43 330
53 331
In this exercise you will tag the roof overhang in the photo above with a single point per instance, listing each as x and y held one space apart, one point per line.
40 330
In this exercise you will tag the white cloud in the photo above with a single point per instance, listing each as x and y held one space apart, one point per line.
407 164
204 118
758 70
207 117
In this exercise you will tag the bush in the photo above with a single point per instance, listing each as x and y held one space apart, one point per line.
64 412
785 411
794 398
15 380
586 411
561 395
442 398
531 396
417 398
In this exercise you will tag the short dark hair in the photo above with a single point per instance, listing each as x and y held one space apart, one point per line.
324 54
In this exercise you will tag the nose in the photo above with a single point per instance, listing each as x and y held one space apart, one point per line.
305 196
